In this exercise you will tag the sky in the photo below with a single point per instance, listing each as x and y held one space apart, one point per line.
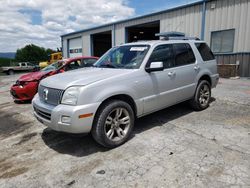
42 22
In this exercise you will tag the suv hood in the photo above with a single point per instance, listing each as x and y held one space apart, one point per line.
82 77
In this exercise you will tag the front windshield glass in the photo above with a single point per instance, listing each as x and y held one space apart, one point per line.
53 66
128 57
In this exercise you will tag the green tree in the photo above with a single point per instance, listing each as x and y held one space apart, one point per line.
32 52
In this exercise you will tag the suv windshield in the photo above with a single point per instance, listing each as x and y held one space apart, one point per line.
128 57
53 66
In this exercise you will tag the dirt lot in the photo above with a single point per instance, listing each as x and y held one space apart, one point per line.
175 147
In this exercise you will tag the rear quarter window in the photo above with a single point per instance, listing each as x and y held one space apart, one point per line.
205 51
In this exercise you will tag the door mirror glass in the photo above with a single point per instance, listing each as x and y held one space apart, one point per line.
155 66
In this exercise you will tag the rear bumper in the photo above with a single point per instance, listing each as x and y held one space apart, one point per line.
51 116
215 80
24 93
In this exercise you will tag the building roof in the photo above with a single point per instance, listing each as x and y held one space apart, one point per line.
138 17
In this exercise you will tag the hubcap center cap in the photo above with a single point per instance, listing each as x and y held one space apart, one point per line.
116 124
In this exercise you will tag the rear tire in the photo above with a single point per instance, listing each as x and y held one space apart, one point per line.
202 96
113 123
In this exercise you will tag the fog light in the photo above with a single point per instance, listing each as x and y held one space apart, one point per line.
66 119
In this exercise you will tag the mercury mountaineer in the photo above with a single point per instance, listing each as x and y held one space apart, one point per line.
127 82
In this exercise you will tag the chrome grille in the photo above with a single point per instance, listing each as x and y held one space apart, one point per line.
53 95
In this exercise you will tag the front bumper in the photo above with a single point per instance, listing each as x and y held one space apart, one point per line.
51 116
24 93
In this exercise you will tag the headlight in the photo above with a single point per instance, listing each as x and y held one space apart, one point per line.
70 96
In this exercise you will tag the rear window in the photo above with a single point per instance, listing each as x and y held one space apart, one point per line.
205 51
183 54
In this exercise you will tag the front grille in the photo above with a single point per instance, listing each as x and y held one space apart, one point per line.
13 93
43 114
50 95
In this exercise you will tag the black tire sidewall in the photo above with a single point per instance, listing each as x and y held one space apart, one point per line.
197 94
98 130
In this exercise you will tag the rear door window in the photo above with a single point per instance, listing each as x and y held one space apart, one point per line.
183 54
205 51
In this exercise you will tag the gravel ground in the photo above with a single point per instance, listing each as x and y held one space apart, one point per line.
175 147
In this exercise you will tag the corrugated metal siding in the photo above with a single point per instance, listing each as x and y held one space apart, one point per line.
103 29
64 47
243 59
86 45
187 20
229 14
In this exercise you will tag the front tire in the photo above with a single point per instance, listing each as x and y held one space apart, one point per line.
113 123
202 96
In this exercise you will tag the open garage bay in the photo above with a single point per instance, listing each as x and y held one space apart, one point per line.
101 42
143 32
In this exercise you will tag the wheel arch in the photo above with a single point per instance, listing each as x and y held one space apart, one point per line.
123 97
206 77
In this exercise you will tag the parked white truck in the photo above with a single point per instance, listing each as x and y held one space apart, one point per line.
22 66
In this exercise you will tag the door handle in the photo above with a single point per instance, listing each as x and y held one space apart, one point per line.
196 68
170 74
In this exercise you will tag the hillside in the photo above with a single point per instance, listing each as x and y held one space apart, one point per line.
9 55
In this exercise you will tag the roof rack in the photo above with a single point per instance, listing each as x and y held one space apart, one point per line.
174 35
182 38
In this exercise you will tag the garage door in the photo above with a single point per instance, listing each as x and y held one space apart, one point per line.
75 47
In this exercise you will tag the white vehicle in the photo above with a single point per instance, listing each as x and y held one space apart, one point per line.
127 82
20 67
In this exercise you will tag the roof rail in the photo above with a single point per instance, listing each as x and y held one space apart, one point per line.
170 34
182 38
174 35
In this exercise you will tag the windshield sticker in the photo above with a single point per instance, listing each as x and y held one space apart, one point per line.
140 49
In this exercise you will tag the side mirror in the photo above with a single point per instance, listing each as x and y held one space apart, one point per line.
155 66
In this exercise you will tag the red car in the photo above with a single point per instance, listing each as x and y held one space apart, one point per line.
26 86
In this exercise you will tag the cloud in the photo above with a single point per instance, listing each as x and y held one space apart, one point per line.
41 22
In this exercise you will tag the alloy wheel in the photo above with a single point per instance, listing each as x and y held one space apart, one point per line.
204 95
117 124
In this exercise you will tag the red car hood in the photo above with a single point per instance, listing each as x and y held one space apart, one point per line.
32 76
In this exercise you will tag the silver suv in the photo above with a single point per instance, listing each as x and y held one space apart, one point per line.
127 82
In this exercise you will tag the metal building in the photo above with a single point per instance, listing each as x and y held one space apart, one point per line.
223 24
